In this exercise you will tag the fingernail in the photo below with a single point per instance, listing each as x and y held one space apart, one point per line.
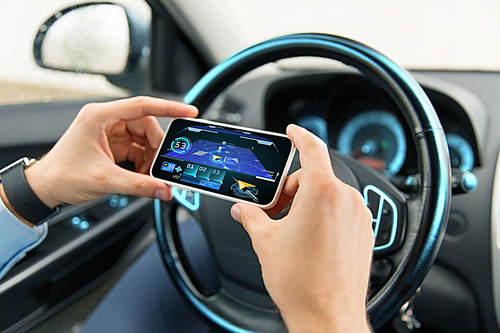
194 108
235 213
162 195
290 127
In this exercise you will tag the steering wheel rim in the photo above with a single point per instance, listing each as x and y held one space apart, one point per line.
427 212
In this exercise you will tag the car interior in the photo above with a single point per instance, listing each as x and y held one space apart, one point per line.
420 143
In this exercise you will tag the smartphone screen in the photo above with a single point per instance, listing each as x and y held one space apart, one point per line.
231 162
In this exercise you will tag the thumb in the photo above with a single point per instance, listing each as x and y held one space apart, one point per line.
250 216
140 185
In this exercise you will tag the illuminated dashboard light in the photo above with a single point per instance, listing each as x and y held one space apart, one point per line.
113 202
469 181
123 202
84 225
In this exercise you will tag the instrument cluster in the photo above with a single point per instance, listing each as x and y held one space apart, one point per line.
357 118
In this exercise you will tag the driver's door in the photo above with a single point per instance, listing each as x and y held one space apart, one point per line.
57 285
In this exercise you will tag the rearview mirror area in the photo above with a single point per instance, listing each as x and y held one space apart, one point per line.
95 38
90 38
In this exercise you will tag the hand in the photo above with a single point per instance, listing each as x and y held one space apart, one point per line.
316 260
82 165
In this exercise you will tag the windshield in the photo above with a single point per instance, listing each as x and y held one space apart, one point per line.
426 34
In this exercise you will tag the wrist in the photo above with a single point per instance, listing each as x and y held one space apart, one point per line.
329 322
40 184
19 196
324 326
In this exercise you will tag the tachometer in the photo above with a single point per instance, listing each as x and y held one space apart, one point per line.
376 138
461 153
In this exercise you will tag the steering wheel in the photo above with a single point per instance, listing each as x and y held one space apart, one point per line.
409 228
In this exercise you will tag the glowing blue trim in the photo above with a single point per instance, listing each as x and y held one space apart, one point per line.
182 197
376 219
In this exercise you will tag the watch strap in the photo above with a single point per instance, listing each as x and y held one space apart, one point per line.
21 196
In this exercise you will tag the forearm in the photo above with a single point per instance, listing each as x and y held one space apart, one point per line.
16 238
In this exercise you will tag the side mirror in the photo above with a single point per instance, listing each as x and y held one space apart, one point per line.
96 38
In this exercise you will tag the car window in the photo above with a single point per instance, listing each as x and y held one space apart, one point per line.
23 81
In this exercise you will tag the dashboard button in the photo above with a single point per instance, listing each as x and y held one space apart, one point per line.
385 225
373 203
385 216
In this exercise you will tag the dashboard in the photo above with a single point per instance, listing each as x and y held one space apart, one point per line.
358 118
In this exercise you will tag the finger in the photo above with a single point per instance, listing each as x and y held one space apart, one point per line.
137 107
140 140
137 155
292 184
144 130
147 162
146 166
132 183
147 133
150 150
313 152
287 194
250 216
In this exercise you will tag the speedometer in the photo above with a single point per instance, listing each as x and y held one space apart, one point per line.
376 138
461 153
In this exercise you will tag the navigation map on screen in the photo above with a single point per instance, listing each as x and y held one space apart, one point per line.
229 161
223 156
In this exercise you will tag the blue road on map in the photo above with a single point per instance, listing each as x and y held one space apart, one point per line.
223 156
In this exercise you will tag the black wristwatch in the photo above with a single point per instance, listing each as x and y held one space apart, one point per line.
20 194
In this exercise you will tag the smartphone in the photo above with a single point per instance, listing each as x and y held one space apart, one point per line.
225 161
